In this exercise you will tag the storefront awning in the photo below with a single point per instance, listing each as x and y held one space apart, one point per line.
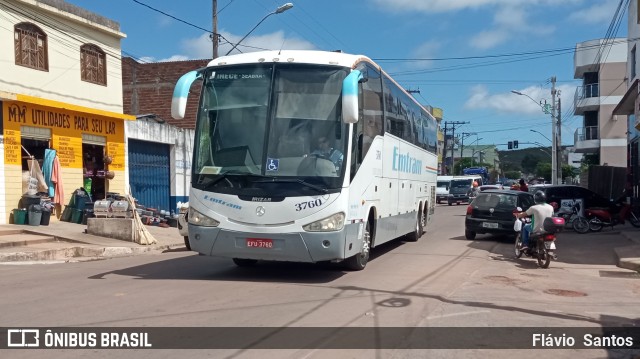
627 104
7 96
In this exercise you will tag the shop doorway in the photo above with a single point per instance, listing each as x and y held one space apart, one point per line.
94 170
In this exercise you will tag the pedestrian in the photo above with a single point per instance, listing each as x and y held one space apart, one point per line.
523 185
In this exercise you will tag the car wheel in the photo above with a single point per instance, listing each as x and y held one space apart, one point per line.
470 235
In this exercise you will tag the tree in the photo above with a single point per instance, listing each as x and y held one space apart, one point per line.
529 163
461 164
569 171
543 169
512 174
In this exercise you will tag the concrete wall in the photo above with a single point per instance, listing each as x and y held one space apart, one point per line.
181 150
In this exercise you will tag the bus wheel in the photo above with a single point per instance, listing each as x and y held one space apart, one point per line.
359 261
186 243
241 262
421 221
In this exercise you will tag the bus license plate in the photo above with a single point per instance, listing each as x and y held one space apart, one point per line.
259 243
489 225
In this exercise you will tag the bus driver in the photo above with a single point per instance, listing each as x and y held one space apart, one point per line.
324 149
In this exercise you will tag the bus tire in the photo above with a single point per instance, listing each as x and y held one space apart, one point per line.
242 262
360 260
186 243
421 221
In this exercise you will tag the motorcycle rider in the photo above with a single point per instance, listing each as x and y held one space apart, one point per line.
473 192
539 212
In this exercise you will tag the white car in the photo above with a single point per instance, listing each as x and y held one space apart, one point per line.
183 227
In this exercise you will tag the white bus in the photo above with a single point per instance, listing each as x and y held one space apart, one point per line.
261 190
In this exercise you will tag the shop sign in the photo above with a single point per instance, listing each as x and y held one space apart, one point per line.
71 122
67 128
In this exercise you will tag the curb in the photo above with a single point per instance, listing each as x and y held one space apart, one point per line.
78 253
629 256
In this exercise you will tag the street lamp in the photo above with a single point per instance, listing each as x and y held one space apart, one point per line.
279 10
540 133
464 135
554 142
473 152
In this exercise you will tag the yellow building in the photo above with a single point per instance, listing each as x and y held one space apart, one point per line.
60 89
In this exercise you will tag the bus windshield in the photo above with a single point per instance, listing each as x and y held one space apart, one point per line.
260 126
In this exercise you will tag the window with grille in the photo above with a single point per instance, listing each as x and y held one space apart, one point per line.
93 64
30 45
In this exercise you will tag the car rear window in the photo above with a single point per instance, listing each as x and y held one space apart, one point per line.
496 200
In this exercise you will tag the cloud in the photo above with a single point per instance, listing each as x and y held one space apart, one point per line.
601 12
440 6
509 22
273 41
510 103
202 47
488 39
428 49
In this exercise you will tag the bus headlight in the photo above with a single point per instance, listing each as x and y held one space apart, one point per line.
200 219
329 224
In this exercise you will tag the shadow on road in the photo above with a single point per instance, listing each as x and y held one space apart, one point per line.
196 267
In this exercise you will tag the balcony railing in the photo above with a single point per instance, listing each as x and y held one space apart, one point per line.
586 133
587 91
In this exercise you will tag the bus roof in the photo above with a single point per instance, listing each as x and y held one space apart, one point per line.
313 57
292 56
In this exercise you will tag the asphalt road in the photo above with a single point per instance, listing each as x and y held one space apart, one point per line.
443 280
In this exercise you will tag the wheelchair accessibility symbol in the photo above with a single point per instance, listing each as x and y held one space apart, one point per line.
272 164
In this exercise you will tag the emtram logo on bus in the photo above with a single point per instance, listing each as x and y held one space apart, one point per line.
406 163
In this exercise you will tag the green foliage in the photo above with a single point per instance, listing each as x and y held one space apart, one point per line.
529 163
512 174
543 169
460 164
569 171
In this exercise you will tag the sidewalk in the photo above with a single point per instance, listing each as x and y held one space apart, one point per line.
64 241
629 256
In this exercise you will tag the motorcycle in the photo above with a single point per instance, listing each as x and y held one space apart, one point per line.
542 246
617 214
572 217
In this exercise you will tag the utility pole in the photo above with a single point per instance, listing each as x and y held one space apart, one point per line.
214 35
554 136
559 140
453 134
444 152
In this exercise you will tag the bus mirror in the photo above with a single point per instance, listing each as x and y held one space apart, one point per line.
181 94
350 97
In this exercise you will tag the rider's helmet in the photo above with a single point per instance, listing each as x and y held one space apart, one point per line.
540 197
475 184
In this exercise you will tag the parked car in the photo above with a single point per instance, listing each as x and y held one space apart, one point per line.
492 212
183 224
442 188
567 195
489 187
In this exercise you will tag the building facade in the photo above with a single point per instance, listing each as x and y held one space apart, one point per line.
61 90
602 67
159 148
630 104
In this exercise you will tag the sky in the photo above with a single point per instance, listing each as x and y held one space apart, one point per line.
459 54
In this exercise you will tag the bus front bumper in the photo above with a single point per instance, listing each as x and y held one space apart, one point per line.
291 247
